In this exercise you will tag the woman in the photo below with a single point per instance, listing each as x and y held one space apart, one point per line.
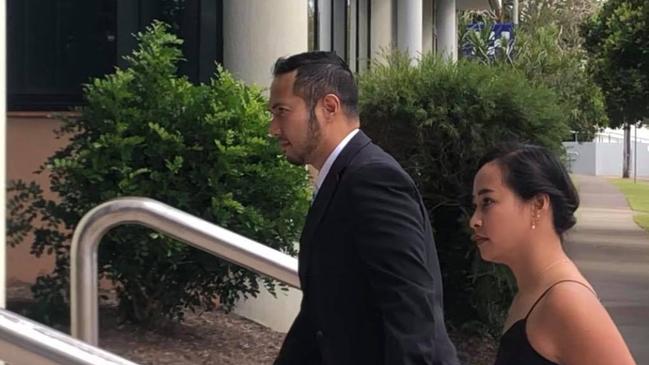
524 203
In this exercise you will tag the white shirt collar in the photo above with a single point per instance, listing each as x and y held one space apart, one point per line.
322 174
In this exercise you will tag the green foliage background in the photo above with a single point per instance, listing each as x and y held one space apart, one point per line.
438 119
204 149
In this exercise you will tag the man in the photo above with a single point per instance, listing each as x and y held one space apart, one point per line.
367 261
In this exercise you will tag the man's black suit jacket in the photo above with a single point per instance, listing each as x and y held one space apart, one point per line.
372 289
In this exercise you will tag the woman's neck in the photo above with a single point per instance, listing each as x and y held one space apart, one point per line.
541 257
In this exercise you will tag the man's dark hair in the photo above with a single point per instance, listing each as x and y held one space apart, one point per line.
531 170
318 74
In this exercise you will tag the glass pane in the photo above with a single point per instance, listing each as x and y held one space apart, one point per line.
313 21
56 45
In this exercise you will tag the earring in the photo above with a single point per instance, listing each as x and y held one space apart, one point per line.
535 219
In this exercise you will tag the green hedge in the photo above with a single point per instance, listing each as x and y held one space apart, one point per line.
204 149
438 119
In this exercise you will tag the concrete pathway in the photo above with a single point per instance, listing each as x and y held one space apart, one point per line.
613 254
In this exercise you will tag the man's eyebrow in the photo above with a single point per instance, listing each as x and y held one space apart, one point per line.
278 104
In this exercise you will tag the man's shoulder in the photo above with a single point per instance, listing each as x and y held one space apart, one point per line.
373 162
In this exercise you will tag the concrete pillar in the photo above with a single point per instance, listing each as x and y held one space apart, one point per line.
3 147
332 25
363 27
409 27
446 22
339 30
325 34
515 12
353 35
381 27
256 33
428 26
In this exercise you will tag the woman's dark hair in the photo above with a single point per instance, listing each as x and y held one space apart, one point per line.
532 170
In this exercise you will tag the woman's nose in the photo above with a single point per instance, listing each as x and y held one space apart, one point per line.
475 221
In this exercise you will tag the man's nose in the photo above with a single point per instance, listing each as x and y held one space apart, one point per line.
273 128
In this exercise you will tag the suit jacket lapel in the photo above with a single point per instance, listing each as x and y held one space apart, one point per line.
323 198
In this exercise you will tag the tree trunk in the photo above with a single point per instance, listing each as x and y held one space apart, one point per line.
627 151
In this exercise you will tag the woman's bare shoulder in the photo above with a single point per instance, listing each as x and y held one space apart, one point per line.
573 327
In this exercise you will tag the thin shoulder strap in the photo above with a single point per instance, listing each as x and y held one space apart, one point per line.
552 286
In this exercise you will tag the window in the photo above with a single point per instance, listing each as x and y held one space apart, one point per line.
343 26
313 25
198 23
54 46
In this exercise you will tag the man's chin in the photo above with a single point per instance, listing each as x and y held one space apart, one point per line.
295 160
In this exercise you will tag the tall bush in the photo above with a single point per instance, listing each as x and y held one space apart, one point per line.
547 49
204 149
438 119
617 41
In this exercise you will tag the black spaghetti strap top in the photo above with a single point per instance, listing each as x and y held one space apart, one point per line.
515 348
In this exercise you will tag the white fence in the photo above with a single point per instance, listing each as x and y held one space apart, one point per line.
605 159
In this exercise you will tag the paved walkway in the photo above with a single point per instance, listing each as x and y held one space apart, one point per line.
613 254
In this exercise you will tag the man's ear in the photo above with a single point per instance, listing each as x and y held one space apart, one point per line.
331 106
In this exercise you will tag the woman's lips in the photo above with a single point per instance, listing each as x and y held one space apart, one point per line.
479 240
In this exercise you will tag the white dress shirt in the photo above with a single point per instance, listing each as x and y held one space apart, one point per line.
322 174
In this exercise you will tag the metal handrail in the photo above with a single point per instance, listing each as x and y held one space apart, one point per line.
24 342
173 222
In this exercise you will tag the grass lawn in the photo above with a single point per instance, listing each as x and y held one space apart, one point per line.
638 197
642 220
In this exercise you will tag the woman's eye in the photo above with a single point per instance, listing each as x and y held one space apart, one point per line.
487 202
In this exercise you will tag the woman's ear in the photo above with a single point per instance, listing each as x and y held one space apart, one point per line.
540 207
541 202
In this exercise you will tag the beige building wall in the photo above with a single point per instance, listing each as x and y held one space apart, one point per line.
3 151
30 140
